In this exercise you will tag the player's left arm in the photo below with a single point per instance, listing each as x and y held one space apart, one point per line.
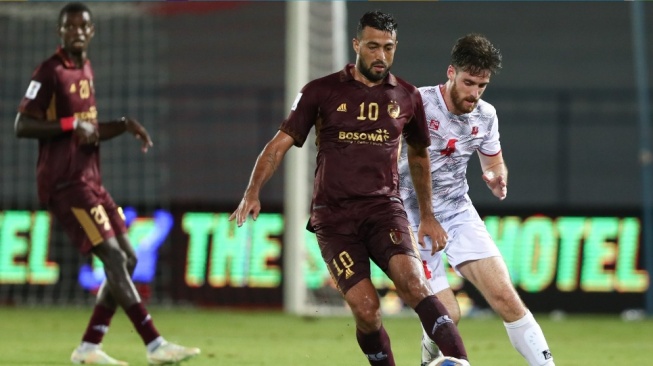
420 172
495 174
111 129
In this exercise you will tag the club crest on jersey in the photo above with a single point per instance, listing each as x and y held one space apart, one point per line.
475 130
434 124
393 109
395 236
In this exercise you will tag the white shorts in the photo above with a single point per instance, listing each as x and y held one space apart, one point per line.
468 240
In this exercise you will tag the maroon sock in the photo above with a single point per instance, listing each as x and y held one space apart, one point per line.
142 322
440 328
98 325
376 347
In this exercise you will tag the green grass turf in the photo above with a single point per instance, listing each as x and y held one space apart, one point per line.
46 336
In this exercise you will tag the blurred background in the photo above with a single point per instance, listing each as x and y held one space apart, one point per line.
208 80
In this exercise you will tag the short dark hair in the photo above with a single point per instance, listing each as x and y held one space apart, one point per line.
74 8
377 20
474 54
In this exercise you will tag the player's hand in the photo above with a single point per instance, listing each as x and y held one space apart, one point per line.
249 204
87 132
431 228
497 184
135 128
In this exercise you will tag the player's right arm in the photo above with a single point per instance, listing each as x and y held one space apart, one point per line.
266 164
33 125
30 125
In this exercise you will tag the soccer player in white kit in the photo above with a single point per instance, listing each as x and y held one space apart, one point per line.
460 124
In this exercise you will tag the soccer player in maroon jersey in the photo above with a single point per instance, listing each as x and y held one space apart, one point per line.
360 114
59 110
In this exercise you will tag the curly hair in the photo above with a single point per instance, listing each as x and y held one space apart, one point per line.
475 54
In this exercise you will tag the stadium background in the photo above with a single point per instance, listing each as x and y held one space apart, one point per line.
207 79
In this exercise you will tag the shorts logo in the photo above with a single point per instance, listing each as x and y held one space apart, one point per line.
395 236
393 109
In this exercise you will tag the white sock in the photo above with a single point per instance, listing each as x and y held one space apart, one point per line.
430 350
527 338
87 346
152 346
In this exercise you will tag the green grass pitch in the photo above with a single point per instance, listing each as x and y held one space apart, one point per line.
46 336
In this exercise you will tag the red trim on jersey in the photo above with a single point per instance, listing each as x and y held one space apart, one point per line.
498 152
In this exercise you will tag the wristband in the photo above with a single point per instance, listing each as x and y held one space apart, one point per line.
68 123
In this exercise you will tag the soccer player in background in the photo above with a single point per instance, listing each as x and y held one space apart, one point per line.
461 123
360 114
59 110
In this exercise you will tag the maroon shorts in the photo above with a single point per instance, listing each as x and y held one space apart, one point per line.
349 237
88 217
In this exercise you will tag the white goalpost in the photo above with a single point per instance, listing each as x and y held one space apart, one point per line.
316 45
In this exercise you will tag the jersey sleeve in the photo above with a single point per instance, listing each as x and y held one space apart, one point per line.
303 115
39 93
491 144
416 131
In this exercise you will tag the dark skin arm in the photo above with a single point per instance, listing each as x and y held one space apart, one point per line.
34 125
109 130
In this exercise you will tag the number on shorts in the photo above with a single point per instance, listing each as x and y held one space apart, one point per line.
345 261
100 216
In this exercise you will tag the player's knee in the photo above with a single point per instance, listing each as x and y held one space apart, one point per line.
413 295
113 257
131 263
508 305
368 318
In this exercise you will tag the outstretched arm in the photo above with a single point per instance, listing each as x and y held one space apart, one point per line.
420 172
495 174
266 164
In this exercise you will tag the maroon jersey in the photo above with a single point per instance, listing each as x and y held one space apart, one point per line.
358 131
59 89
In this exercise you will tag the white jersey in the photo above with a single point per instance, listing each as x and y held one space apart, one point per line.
453 141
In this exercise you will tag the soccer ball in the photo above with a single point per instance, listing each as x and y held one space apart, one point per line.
448 361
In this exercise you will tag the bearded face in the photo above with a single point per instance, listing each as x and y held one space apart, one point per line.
463 103
375 72
466 89
375 51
